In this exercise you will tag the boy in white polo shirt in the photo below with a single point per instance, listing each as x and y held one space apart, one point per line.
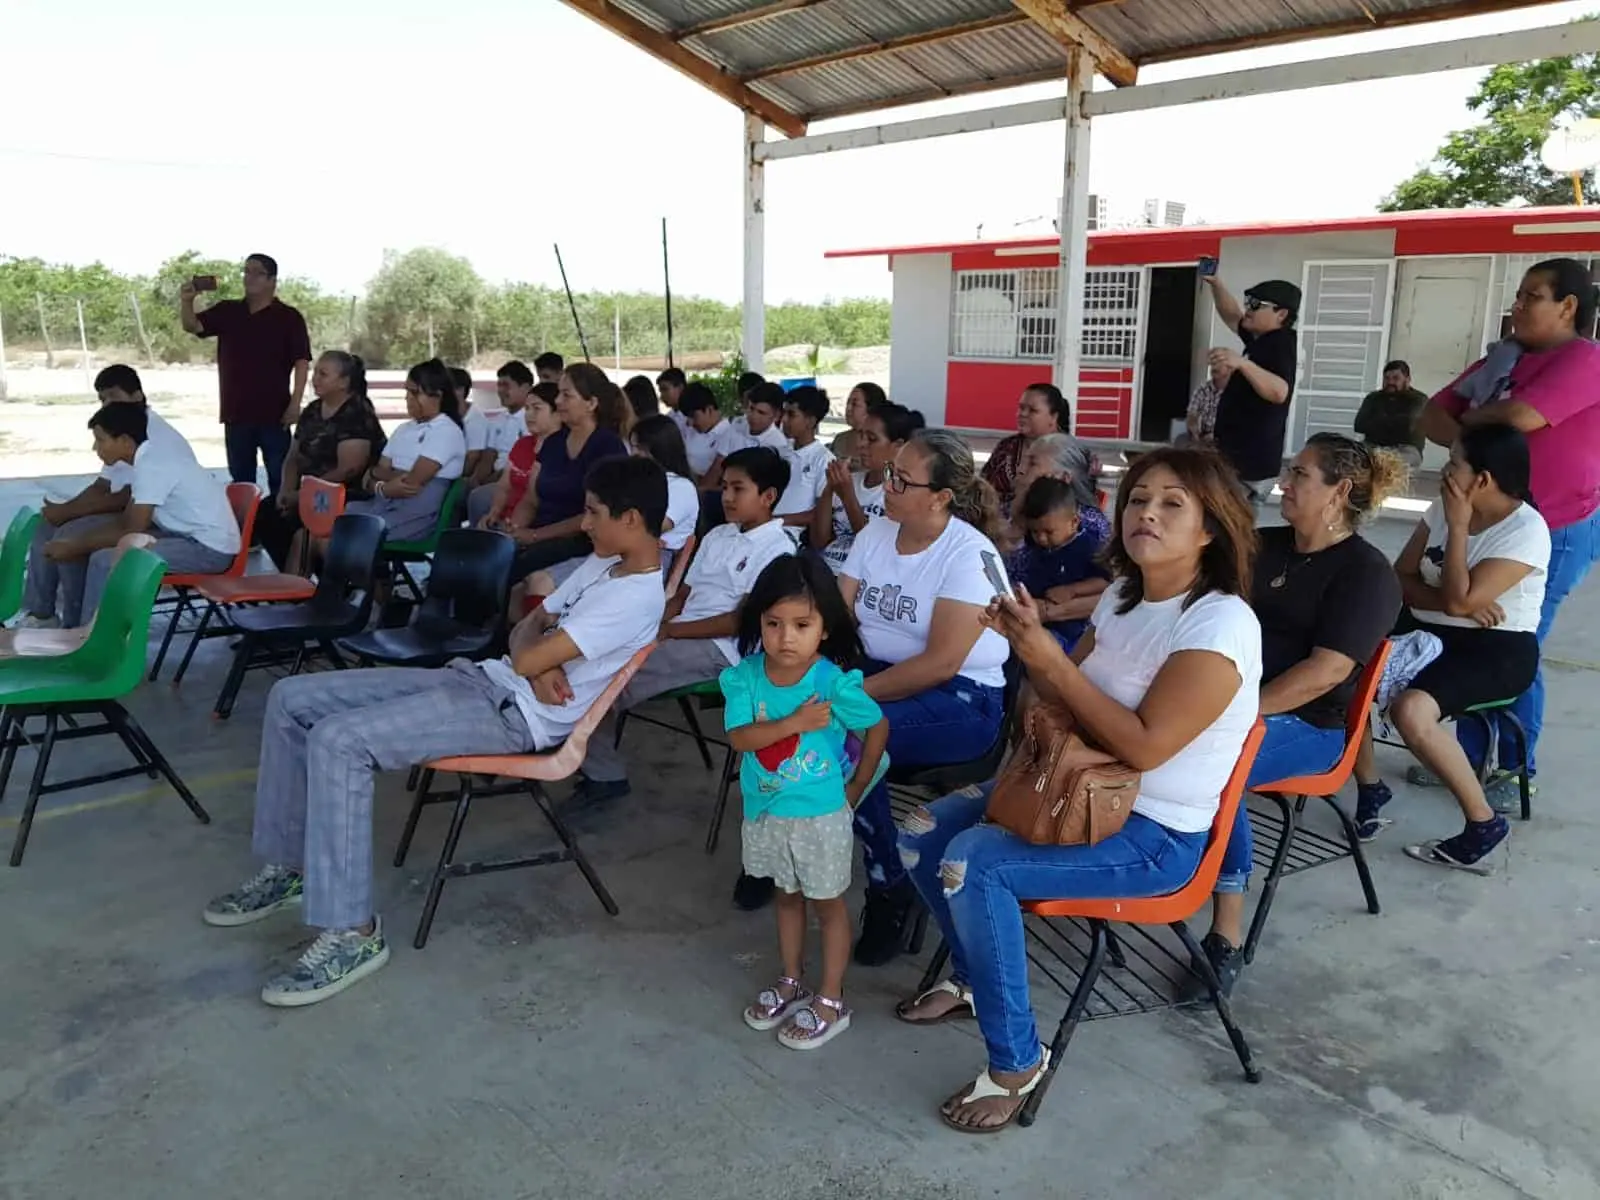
696 642
763 416
99 504
804 409
171 497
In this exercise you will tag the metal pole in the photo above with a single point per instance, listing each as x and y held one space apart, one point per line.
431 354
571 304
2 358
83 340
754 313
616 330
1073 269
666 277
44 332
1577 188
138 320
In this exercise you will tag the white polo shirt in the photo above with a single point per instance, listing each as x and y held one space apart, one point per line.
705 448
185 499
808 474
440 439
770 437
504 430
724 570
159 433
475 428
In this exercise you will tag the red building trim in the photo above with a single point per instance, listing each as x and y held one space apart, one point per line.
983 395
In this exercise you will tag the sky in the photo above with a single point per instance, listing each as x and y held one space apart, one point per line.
325 132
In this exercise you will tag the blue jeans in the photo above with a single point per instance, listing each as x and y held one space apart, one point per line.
1573 550
1290 748
981 917
952 723
242 442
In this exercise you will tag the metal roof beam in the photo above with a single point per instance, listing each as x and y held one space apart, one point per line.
1057 18
748 17
724 83
926 37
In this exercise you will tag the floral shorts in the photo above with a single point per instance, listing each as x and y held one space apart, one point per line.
809 855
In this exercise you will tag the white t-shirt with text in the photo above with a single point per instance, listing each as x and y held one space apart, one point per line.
897 592
1522 537
184 498
683 510
609 618
724 570
439 439
808 474
1129 651
871 500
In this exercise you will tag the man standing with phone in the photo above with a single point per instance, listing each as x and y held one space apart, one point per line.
263 358
1253 407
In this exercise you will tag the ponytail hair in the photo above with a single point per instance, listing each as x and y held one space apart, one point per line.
899 422
1374 474
612 410
433 379
951 468
1501 452
354 371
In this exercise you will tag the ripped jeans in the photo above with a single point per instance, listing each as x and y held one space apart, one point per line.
955 722
972 876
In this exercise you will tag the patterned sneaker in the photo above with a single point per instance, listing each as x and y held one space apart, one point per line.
1504 792
268 891
1370 799
1420 776
338 958
1466 851
34 621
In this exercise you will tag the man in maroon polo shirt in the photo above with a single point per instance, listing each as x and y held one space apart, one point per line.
263 358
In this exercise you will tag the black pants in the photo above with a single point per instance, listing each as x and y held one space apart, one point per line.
242 442
542 555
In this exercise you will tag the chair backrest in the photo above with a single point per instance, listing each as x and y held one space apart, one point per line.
1205 876
570 756
245 500
350 566
321 504
680 565
470 580
1355 724
113 655
450 509
14 559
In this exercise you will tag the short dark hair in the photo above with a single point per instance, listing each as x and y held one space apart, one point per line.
549 361
765 467
433 378
1398 364
641 393
461 379
1569 277
268 263
695 397
661 439
122 420
1047 495
812 401
749 381
770 394
672 377
120 376
1500 451
898 421
546 392
630 482
516 371
791 576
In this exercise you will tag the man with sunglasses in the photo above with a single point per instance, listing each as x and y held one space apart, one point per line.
1253 410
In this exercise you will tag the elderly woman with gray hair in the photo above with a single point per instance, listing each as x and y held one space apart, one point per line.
1060 456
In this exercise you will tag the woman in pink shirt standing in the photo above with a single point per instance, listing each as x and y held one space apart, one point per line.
1545 381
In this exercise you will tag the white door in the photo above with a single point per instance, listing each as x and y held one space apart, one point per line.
1344 332
1438 317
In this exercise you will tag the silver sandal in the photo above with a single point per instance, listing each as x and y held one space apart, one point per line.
809 1030
771 1010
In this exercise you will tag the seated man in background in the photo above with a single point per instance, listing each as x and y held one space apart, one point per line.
99 504
548 366
1391 417
324 735
513 383
696 642
171 497
804 409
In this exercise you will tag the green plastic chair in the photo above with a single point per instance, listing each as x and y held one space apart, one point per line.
14 560
399 553
91 680
706 696
1485 715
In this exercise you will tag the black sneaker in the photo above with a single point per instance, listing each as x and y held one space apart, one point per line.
1370 799
885 924
751 893
591 800
1226 959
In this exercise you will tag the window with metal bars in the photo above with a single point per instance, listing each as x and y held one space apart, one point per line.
1510 268
1012 314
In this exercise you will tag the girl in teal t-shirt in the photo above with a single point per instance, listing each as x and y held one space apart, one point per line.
812 743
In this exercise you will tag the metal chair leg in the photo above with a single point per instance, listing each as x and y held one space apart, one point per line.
178 610
421 787
1524 779
694 728
10 739
622 720
1114 951
729 772
129 728
1069 1023
1269 888
919 930
235 679
35 786
936 966
590 875
194 641
1224 1010
447 856
1362 869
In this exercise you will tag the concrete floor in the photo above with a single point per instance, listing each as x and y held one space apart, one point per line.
538 1048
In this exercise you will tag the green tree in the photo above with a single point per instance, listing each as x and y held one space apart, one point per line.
1496 161
412 291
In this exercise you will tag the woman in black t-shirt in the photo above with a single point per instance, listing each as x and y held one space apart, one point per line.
1326 598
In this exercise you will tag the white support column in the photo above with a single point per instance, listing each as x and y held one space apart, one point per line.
754 339
1074 229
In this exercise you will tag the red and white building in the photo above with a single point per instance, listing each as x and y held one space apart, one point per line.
973 323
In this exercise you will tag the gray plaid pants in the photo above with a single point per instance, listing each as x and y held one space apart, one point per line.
322 738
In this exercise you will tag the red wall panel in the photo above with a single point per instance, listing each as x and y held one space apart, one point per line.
983 395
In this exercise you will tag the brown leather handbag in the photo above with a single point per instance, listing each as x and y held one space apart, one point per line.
1059 789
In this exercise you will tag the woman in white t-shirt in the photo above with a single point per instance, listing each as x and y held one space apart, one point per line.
657 438
915 581
1168 679
1473 575
423 457
853 496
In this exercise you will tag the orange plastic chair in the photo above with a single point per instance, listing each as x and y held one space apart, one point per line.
1317 849
525 773
245 500
680 567
1173 910
320 505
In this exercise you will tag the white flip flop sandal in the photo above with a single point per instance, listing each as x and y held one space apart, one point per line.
985 1088
948 987
808 1031
771 1010
1432 853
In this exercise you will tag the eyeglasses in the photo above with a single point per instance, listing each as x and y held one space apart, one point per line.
897 483
1254 305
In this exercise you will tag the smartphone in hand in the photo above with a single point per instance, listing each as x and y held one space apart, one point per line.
1208 267
995 570
204 283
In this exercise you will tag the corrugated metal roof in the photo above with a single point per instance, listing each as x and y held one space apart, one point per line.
804 60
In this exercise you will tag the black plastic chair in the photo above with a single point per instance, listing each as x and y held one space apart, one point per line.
342 606
463 611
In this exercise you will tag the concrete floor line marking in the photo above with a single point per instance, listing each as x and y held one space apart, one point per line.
1572 663
153 792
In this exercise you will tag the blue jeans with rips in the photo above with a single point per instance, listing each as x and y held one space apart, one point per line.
1573 550
1291 748
973 878
955 722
